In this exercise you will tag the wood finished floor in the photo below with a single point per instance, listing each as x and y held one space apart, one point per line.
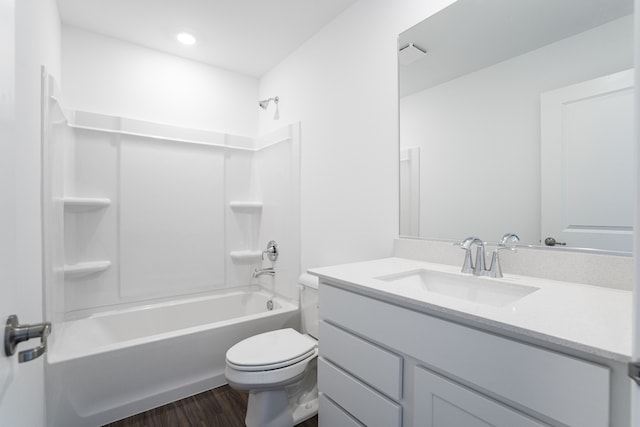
221 407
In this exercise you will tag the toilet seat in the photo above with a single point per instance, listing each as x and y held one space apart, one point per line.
271 350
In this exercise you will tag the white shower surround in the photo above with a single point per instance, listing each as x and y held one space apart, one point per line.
155 207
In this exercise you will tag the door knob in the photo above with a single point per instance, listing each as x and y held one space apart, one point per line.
550 241
15 333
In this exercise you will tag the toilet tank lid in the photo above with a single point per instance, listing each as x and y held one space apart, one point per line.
307 279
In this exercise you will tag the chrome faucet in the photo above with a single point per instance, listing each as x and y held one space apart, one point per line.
479 268
270 271
495 270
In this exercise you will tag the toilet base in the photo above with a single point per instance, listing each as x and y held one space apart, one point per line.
306 411
269 409
272 409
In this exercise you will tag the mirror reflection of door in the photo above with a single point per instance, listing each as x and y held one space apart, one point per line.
588 163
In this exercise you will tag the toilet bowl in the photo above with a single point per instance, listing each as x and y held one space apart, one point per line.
278 368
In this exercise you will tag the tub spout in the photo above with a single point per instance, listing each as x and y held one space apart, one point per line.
262 271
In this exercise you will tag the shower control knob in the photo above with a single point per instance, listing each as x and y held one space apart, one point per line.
271 251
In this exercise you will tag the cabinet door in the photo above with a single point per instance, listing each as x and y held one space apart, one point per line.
440 402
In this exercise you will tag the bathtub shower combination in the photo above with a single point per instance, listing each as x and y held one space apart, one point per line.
115 364
151 236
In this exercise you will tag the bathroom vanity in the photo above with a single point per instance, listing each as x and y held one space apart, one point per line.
411 343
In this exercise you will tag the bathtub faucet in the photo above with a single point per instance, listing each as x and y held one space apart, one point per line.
262 271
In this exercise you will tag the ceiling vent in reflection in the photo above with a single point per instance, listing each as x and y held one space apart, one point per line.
410 53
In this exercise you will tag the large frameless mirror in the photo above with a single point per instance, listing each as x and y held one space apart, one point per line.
517 116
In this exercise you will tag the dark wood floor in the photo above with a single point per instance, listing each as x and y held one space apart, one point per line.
221 407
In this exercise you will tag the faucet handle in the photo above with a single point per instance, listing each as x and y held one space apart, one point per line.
495 269
509 238
467 265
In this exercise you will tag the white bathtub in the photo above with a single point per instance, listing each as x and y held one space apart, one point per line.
116 364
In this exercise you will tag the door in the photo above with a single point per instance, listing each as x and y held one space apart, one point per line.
588 163
635 349
21 384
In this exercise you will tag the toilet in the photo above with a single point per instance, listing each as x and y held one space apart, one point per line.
279 368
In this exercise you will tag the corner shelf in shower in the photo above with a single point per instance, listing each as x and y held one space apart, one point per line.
246 206
85 268
81 204
246 256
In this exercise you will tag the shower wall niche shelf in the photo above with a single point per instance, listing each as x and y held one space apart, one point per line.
85 268
80 204
246 256
246 206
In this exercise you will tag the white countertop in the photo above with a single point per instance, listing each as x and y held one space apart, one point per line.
590 319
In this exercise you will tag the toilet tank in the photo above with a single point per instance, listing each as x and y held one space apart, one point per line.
309 304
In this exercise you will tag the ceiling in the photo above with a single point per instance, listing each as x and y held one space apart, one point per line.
472 34
245 36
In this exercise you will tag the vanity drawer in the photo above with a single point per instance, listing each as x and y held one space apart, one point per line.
569 390
331 415
379 368
364 403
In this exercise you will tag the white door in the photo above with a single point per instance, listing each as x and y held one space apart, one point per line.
635 350
21 384
588 163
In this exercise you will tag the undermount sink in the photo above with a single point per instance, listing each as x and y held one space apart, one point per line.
482 290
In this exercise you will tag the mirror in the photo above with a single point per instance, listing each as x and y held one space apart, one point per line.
518 117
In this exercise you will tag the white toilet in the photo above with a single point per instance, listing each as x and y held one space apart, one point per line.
279 368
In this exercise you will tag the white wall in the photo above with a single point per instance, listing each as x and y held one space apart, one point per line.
109 76
482 137
277 181
342 86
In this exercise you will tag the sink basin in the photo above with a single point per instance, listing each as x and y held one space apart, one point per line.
482 290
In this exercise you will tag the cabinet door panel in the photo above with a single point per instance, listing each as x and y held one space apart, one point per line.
440 402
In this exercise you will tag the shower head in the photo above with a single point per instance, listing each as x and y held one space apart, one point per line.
265 103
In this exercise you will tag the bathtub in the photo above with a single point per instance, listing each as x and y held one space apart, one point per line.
115 364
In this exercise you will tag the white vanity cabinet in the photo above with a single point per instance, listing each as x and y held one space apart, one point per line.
386 365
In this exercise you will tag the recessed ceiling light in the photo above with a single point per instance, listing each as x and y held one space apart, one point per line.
186 38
